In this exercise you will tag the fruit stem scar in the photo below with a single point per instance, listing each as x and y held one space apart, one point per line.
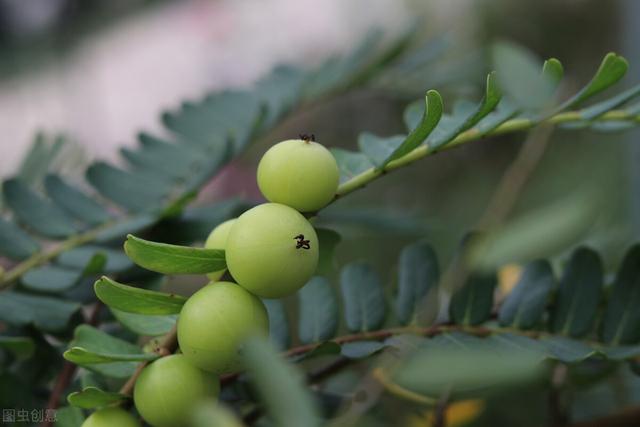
307 138
301 242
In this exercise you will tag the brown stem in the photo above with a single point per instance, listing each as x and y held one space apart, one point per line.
68 370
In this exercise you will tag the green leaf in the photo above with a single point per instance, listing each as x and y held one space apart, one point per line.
318 318
46 313
432 113
350 163
93 397
568 350
94 340
280 386
525 305
379 149
145 324
82 356
22 347
519 75
472 303
39 158
36 212
505 341
361 349
84 257
553 70
328 240
619 353
173 259
418 276
74 202
135 300
135 224
536 234
278 324
621 322
15 243
578 295
363 297
133 192
611 70
69 416
595 111
435 368
50 278
448 130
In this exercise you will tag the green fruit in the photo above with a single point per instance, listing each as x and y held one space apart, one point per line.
214 322
299 173
272 250
169 389
218 240
109 417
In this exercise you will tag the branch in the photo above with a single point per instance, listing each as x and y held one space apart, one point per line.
510 126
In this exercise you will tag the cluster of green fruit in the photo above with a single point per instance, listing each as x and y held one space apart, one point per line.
271 251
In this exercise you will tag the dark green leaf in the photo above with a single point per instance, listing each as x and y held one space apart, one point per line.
84 256
621 323
280 386
74 202
379 149
145 324
568 350
173 259
22 347
133 192
172 160
120 229
82 356
35 212
69 416
49 314
350 163
472 303
15 243
94 340
361 349
418 276
524 306
625 352
50 278
278 324
328 240
136 300
39 158
430 118
363 297
318 319
578 295
505 341
93 397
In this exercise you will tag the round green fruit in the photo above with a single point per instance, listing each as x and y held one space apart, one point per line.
299 173
218 240
167 391
109 417
272 250
214 322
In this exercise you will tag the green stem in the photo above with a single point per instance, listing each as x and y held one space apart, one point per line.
510 126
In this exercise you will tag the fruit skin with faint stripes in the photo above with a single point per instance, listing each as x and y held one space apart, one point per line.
109 417
299 173
170 388
272 250
218 240
215 321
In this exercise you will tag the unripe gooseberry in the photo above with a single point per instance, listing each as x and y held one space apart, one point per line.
272 250
167 391
214 322
109 417
218 240
299 173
